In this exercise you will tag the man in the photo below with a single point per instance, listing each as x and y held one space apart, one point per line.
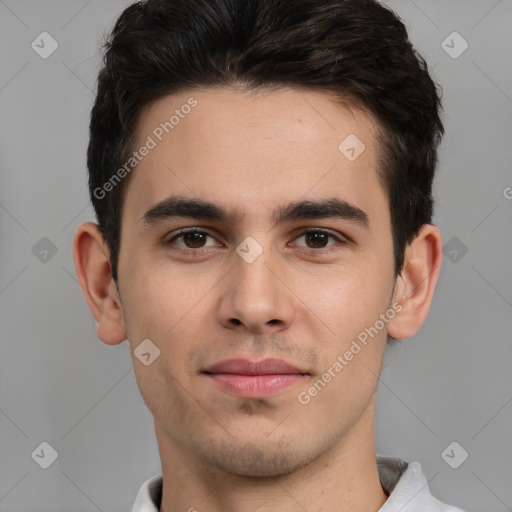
262 174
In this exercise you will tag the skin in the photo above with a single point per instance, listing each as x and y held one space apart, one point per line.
300 300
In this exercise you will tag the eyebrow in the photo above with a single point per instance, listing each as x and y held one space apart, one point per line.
180 206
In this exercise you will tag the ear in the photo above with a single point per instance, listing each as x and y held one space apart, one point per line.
414 287
92 265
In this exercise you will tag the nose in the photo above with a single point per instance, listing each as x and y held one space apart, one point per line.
256 297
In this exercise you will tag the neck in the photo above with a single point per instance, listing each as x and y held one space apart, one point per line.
344 478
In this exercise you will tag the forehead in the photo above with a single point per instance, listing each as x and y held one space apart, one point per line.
251 151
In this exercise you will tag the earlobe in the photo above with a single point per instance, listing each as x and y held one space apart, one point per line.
414 287
92 265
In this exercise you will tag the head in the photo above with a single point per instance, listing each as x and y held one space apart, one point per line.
258 119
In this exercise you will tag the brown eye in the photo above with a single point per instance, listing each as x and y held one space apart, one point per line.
316 239
191 239
319 239
194 240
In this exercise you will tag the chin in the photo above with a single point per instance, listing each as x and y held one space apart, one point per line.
253 460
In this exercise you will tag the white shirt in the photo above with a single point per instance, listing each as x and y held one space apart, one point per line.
404 483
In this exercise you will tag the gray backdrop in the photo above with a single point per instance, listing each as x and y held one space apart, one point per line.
60 385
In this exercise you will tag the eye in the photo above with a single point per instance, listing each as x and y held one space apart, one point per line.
191 239
196 239
319 238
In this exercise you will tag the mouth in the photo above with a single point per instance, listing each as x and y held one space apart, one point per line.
250 379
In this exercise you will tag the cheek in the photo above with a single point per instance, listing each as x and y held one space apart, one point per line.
161 296
352 354
165 307
347 298
169 305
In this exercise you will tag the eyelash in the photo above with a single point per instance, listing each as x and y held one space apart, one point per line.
339 240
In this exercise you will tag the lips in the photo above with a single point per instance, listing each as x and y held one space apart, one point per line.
246 367
250 379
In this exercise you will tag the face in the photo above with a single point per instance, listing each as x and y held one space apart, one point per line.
258 293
